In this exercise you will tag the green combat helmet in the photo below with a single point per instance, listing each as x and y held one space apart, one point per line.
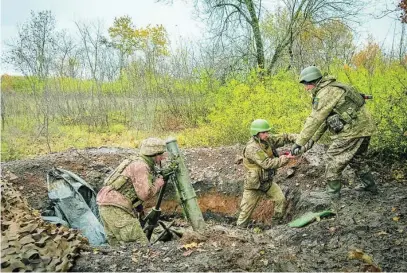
309 74
152 146
259 126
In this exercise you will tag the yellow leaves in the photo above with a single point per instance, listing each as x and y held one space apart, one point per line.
257 230
189 246
398 175
396 218
128 38
358 254
367 56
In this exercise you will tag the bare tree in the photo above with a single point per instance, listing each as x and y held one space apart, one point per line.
67 52
234 24
32 53
92 42
301 12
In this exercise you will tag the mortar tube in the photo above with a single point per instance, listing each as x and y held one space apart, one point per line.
186 192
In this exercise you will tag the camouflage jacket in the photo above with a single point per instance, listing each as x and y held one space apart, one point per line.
131 186
325 98
261 160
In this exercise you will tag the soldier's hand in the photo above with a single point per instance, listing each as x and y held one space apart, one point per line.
284 160
170 169
159 182
309 144
295 149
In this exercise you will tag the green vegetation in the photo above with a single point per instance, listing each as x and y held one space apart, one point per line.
117 90
200 113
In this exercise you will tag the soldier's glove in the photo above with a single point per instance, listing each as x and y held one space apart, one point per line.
169 170
309 145
295 149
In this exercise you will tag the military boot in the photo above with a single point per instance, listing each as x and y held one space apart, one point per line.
334 189
367 183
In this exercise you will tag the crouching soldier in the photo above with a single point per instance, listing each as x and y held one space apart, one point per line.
125 190
261 161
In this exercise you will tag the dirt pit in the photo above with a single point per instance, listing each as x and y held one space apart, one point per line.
368 232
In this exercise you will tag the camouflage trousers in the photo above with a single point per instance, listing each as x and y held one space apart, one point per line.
251 198
120 225
341 153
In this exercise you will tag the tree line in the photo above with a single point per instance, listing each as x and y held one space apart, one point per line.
126 77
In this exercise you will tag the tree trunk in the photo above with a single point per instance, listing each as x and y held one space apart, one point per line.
256 32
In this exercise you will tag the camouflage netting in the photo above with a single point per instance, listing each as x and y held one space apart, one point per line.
30 244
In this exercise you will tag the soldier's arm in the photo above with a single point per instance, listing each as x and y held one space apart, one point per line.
282 139
319 114
142 180
321 130
261 158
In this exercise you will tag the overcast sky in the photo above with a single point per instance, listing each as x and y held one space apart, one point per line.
178 18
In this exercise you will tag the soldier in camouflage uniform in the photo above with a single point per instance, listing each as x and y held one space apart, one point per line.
261 161
339 108
125 190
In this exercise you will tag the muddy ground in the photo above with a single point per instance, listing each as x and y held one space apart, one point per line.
368 233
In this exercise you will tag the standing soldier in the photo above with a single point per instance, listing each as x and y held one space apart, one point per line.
125 190
340 108
261 161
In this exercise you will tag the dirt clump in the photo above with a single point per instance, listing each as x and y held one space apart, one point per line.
368 232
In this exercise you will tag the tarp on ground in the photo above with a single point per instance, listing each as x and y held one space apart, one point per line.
74 201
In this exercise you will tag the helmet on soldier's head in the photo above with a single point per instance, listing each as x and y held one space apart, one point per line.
259 126
152 146
309 74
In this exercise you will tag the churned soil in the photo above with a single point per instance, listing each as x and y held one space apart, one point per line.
368 232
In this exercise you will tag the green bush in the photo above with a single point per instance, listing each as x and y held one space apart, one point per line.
199 111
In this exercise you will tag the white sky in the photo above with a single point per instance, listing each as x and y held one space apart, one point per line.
178 18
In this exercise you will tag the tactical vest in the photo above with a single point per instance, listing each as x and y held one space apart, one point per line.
352 101
122 184
265 177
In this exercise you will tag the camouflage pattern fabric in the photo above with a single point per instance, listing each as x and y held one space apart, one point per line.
116 203
325 98
350 144
251 197
343 152
30 244
121 226
152 146
261 160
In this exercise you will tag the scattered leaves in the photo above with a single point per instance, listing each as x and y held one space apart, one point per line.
358 254
257 230
189 246
396 218
381 233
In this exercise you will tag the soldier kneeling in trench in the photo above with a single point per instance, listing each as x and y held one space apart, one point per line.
261 161
132 182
